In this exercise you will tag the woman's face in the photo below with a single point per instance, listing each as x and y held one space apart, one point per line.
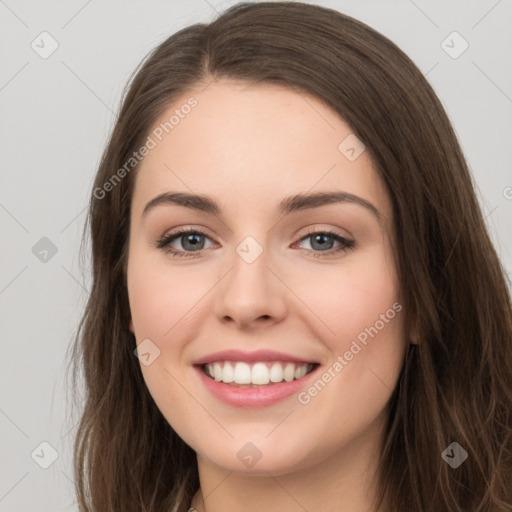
262 293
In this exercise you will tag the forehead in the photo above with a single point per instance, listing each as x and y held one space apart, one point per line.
253 143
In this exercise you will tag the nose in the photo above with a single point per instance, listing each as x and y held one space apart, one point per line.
251 295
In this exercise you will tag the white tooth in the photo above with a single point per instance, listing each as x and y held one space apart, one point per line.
289 372
209 369
300 371
260 374
276 372
217 371
227 373
242 373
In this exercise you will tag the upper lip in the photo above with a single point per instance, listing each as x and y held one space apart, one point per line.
257 355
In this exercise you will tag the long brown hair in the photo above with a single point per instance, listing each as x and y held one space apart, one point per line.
456 384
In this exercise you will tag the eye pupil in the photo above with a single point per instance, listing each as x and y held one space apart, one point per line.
322 238
192 240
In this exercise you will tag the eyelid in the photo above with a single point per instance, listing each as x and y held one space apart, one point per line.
188 227
313 229
316 228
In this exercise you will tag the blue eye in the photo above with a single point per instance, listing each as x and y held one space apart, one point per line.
192 241
318 239
189 238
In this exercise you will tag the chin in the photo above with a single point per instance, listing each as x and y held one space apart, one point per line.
260 457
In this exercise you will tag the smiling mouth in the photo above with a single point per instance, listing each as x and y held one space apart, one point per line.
256 374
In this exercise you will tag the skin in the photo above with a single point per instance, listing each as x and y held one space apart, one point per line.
248 147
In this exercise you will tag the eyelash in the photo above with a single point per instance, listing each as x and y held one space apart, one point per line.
164 242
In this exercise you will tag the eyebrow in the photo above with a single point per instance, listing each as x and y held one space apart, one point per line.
288 205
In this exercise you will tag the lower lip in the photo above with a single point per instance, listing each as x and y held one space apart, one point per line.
263 396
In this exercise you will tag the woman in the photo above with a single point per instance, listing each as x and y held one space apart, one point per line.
295 302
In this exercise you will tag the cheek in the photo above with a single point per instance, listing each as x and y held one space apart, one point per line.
161 297
351 298
361 305
161 303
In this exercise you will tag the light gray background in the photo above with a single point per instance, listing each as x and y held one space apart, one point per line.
56 114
